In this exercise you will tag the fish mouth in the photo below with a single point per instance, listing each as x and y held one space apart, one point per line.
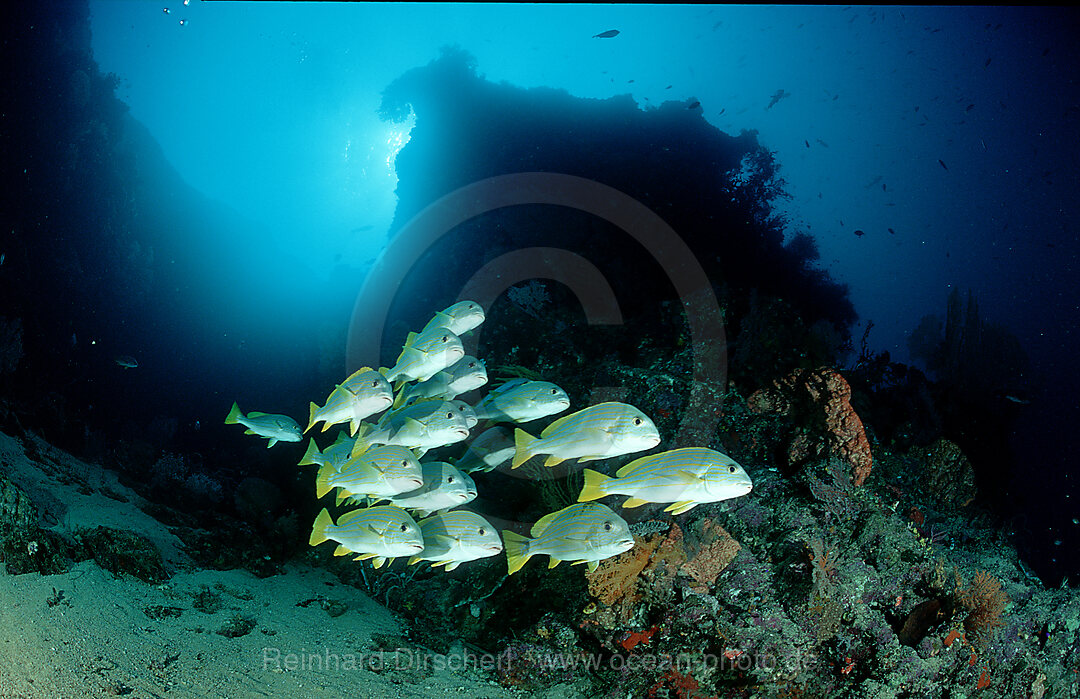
415 547
625 544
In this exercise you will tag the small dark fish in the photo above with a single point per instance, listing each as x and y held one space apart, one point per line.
835 97
819 195
722 111
987 64
916 108
693 105
970 107
859 233
892 232
942 164
668 87
777 96
610 33
883 187
630 81
841 222
822 142
807 143
127 362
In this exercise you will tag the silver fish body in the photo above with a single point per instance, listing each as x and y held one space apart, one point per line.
598 432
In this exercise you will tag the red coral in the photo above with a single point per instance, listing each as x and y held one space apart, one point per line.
824 396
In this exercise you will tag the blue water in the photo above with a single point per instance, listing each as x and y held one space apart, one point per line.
946 136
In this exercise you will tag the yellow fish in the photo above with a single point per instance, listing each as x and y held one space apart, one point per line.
583 533
380 532
684 477
597 432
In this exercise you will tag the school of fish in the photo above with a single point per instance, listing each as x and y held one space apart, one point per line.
406 506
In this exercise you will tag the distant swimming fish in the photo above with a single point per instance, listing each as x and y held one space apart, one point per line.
822 142
693 105
1014 399
859 233
126 361
609 34
892 231
777 96
807 143
276 428
943 165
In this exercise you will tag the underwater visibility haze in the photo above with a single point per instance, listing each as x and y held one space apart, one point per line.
556 350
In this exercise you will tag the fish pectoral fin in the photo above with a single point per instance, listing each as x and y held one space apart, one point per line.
635 502
677 508
553 460
271 443
378 561
249 431
593 565
688 478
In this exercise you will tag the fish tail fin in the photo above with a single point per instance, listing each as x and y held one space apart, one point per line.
517 550
234 415
322 481
311 417
309 456
522 442
594 485
318 530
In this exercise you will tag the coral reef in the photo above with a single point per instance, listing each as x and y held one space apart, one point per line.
820 401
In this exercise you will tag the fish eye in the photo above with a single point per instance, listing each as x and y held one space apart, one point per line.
607 526
637 421
374 384
482 531
449 479
731 469
405 462
404 527
446 338
554 391
449 415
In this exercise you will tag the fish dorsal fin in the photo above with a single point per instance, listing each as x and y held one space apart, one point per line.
643 462
543 523
385 371
356 373
348 517
410 339
441 320
558 424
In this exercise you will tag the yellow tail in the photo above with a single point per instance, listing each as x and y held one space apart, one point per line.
309 455
322 481
594 485
522 441
318 531
234 415
311 419
517 550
